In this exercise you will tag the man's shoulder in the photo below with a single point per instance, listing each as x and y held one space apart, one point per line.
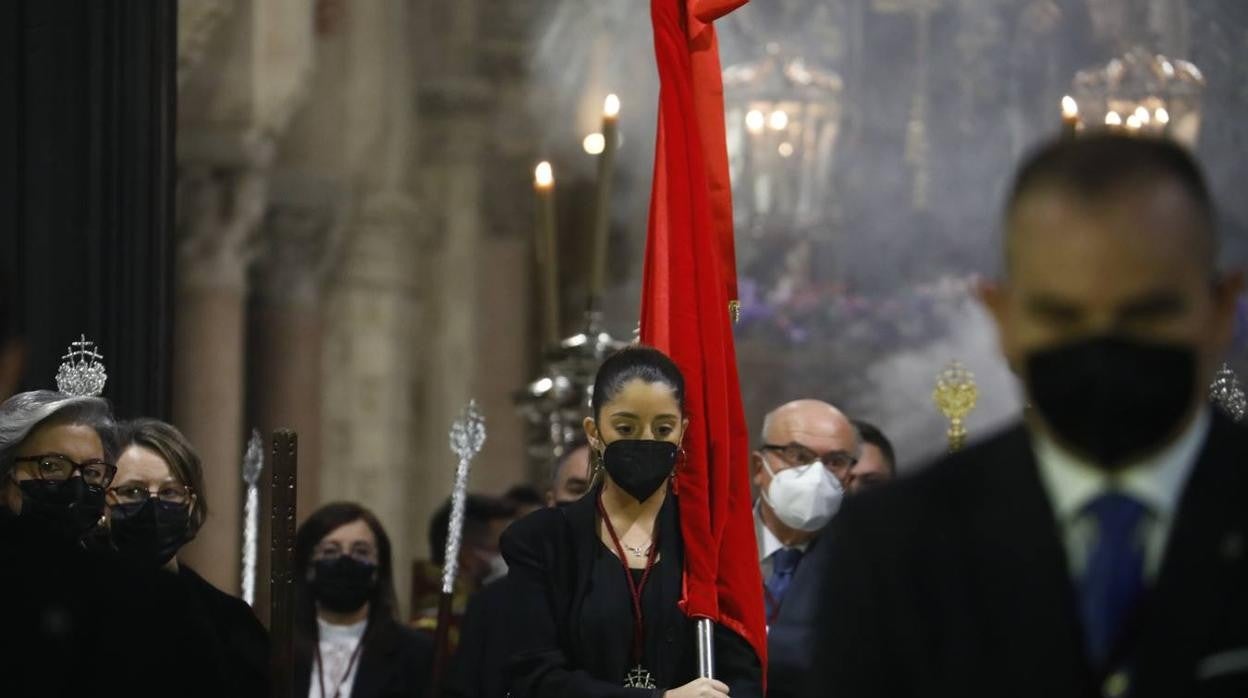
951 483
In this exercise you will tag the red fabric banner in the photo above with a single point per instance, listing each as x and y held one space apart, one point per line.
689 279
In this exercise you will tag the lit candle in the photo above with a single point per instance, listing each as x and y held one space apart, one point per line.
602 208
1134 124
1113 120
1070 117
547 251
1161 116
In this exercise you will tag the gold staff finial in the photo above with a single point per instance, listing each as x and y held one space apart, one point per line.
955 396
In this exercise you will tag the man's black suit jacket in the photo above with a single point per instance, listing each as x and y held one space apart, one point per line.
955 583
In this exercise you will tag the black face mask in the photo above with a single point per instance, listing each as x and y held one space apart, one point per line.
68 508
343 584
150 532
639 466
1111 398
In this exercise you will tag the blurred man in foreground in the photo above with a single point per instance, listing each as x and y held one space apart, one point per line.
1099 547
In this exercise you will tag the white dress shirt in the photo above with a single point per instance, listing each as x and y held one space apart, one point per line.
1157 482
337 645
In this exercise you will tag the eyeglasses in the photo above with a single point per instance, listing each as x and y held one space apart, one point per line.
170 493
58 468
795 454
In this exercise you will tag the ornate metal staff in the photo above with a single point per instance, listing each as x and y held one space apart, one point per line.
253 464
467 437
1226 393
955 396
282 563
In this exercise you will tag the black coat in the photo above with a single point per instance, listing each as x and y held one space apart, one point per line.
550 554
397 662
73 621
476 670
242 643
955 583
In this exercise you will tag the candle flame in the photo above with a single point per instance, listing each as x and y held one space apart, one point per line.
1142 115
594 143
755 121
1113 118
1161 116
544 175
1133 122
1070 108
611 106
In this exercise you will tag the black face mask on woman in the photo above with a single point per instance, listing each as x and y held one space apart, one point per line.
1113 398
67 508
150 532
639 466
343 584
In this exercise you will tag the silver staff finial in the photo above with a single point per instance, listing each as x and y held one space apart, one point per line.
81 373
1227 394
253 458
467 437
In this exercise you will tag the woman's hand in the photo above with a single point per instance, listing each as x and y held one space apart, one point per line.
700 688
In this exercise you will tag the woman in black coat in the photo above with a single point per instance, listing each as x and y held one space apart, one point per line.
156 504
595 585
348 641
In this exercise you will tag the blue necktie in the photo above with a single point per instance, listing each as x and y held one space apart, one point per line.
783 565
1114 577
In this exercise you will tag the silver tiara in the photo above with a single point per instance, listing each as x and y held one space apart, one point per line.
81 373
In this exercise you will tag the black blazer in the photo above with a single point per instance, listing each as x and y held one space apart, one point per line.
476 670
397 662
550 554
955 583
791 631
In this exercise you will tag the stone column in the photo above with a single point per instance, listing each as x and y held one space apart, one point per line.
373 330
285 325
219 210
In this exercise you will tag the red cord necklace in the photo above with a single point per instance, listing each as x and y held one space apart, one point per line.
638 677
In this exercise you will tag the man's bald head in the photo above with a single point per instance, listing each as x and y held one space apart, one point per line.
809 418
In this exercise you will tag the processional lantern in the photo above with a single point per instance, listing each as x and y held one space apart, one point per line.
782 121
1141 92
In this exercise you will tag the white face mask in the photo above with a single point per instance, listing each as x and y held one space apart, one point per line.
805 497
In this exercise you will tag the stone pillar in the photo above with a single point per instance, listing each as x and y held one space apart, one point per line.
369 369
219 210
285 326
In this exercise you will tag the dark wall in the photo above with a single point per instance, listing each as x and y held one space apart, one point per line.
86 176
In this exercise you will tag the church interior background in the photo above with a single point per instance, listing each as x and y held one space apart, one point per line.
353 248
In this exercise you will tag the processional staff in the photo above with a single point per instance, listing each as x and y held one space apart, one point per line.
253 465
284 479
467 436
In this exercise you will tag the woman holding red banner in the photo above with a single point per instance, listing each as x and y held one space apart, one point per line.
595 585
